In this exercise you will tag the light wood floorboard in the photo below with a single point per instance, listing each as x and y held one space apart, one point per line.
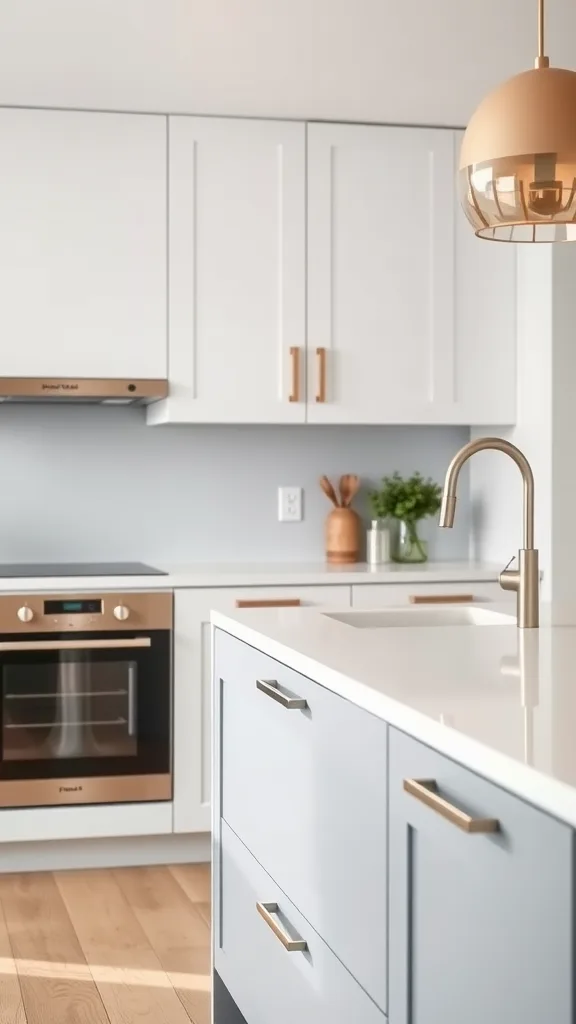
54 977
196 882
130 946
176 931
11 1004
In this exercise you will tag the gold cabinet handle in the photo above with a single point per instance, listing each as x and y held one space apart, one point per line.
295 357
269 602
426 790
270 688
266 910
440 598
321 357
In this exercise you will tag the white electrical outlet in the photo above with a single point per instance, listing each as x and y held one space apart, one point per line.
289 504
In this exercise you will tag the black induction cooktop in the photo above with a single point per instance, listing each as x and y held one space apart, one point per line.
29 569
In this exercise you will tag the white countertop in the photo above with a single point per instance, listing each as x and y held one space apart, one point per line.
495 698
257 574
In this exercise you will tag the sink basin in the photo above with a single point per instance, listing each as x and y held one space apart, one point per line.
383 617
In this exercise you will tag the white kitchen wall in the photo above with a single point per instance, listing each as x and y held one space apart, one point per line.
382 60
96 482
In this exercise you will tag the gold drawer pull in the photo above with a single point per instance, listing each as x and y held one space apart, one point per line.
440 598
270 688
266 910
321 357
269 602
426 790
295 357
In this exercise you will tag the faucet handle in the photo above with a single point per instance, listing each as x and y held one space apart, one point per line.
510 578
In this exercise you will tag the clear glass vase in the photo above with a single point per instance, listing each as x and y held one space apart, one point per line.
409 545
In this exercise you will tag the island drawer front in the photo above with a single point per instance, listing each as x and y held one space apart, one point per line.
379 595
305 790
481 921
269 983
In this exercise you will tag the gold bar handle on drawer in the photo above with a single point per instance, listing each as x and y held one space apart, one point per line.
321 357
295 357
426 790
270 688
266 910
440 598
270 602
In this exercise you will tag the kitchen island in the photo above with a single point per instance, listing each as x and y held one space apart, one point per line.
394 820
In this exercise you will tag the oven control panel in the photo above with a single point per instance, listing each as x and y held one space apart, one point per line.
58 613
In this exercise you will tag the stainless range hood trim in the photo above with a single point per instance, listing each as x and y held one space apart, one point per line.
70 389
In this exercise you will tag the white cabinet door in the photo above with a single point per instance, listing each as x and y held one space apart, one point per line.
82 244
380 273
237 272
193 683
485 326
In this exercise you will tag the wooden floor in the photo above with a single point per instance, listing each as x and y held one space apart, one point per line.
106 947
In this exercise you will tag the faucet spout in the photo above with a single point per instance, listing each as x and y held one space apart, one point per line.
524 580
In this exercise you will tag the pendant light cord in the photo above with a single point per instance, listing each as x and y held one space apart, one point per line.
541 60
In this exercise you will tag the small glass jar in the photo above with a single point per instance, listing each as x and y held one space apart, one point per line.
409 545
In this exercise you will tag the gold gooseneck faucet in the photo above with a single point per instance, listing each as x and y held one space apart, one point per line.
525 579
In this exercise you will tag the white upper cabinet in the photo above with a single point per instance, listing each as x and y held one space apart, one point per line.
237 272
485 325
82 244
380 272
411 319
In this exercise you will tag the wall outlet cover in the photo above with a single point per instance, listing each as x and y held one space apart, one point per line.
289 504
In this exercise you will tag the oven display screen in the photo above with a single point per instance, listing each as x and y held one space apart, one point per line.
72 607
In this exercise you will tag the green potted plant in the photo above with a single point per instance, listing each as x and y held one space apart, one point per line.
407 500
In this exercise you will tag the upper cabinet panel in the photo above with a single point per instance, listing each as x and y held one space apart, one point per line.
83 244
380 273
411 318
237 272
485 319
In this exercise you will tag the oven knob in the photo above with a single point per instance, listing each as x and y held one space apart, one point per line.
121 612
25 614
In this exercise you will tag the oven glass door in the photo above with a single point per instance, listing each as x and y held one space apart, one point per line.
85 705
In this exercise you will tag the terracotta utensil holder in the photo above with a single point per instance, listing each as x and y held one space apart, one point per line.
342 536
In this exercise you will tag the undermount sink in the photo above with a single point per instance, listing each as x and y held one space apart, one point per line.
384 617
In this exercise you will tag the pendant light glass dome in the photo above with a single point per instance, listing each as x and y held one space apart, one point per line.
517 173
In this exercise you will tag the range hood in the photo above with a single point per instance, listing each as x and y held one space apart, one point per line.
110 391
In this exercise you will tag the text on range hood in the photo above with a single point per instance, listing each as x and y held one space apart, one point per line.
111 391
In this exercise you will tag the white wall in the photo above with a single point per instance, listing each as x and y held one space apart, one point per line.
427 61
544 430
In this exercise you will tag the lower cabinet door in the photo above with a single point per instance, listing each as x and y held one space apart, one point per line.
481 922
271 981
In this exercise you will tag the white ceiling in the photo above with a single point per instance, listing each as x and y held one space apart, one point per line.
413 62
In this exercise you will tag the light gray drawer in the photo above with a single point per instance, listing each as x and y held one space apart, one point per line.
305 790
269 983
481 921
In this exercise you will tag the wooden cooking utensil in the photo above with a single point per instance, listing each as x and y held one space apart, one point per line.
349 487
329 491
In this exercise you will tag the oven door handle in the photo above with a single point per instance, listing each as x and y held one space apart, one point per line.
74 645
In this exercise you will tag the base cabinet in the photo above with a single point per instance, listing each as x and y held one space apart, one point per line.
193 683
481 924
278 968
423 891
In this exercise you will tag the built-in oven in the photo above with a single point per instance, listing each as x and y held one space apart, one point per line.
85 698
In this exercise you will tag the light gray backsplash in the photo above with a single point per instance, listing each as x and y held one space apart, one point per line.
94 482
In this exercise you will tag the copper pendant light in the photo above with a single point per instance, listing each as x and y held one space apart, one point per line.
518 159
